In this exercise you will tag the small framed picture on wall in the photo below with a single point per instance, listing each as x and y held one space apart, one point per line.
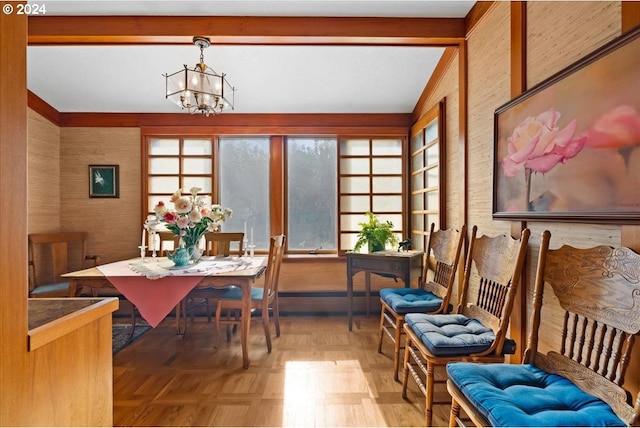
104 181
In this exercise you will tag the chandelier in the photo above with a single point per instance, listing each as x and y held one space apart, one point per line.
200 90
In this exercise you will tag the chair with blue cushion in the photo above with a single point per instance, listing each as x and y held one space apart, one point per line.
218 244
263 299
478 329
433 295
579 378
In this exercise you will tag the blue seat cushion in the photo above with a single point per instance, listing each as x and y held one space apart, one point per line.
50 288
447 335
235 293
407 300
524 395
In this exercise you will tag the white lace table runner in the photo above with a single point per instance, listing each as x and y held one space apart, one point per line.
161 267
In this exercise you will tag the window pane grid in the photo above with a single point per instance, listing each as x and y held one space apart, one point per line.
178 163
426 175
383 194
368 175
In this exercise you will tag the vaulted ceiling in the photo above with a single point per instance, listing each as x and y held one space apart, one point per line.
283 56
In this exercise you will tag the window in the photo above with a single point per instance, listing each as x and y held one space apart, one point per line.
311 194
244 185
370 179
314 189
427 174
178 163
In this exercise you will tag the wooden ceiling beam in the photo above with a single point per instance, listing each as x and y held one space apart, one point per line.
230 30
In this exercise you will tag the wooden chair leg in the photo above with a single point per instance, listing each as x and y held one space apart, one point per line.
267 330
396 348
405 370
429 394
234 327
381 330
276 316
133 321
455 411
218 314
229 327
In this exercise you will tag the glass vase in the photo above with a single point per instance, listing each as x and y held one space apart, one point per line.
197 246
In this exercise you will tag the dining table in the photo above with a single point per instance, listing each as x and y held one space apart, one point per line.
155 286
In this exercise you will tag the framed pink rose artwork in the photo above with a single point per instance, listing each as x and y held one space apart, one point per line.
568 149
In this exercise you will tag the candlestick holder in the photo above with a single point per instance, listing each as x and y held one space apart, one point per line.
245 245
152 237
150 225
251 250
142 251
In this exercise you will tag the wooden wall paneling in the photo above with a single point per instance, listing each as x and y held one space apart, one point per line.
256 124
518 48
475 15
113 223
463 153
463 110
14 359
560 33
488 86
43 160
425 102
630 15
45 109
313 286
518 85
144 171
277 174
47 30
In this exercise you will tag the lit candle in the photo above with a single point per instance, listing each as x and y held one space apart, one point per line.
251 236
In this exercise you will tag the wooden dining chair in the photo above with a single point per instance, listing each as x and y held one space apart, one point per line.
433 294
478 329
53 254
579 380
263 299
166 241
223 244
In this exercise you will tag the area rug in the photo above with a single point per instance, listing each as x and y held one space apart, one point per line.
121 332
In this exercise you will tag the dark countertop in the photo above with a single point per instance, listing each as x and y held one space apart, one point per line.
52 318
43 311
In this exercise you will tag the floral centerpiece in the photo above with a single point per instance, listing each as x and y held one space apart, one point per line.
192 216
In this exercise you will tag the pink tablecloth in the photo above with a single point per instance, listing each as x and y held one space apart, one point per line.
154 298
156 290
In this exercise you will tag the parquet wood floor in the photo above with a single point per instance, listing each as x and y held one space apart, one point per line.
318 375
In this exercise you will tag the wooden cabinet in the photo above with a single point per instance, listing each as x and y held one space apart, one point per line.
70 370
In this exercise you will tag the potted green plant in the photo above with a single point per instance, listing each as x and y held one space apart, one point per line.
375 233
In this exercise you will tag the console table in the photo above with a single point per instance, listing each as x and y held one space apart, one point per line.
406 265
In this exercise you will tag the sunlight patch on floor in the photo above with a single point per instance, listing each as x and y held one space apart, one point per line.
311 389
